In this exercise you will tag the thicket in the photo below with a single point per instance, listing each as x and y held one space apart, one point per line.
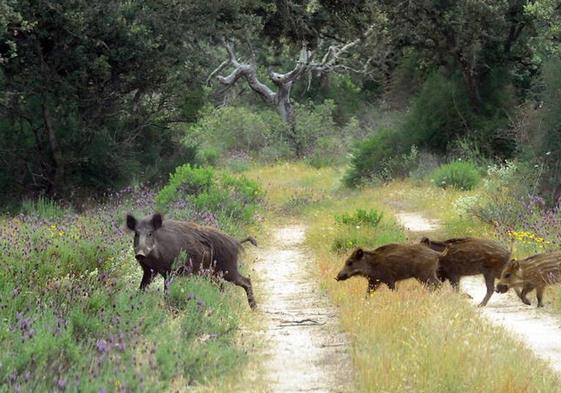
224 133
232 200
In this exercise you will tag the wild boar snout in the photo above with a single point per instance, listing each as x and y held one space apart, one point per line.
342 276
501 288
140 255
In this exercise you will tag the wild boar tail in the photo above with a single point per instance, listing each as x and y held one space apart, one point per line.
249 239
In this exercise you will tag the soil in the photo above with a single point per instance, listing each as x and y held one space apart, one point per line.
306 352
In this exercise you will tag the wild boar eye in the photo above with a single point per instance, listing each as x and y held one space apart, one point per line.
507 275
149 234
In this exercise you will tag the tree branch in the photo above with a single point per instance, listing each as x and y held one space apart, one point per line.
241 70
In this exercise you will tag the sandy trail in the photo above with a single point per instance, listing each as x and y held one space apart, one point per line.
540 331
306 352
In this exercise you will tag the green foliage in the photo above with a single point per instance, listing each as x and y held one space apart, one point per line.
370 217
260 134
461 175
95 111
546 146
232 129
385 155
185 180
505 192
233 199
438 113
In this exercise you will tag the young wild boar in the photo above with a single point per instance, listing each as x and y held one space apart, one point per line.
158 243
469 256
391 263
536 271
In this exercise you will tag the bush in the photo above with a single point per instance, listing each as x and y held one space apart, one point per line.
461 175
231 129
261 134
233 199
385 155
370 217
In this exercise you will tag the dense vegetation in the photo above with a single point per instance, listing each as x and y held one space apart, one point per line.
108 107
99 95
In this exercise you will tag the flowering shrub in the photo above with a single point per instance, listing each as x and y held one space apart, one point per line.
509 202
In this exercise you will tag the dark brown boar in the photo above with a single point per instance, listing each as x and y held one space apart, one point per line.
158 243
535 272
469 256
391 263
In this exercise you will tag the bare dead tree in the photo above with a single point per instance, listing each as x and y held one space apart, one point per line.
331 61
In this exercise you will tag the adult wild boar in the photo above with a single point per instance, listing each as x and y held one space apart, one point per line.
157 244
470 256
535 272
391 263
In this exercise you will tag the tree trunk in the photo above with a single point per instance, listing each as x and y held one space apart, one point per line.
56 153
472 84
286 111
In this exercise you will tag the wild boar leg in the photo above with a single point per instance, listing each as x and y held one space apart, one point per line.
429 279
455 282
373 284
539 295
147 277
390 284
245 283
522 295
490 283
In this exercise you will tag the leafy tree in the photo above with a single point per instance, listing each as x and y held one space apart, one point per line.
91 90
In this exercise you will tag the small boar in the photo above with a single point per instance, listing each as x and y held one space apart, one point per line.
391 263
470 256
157 244
535 272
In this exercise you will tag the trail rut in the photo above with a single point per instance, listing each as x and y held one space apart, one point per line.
540 331
306 352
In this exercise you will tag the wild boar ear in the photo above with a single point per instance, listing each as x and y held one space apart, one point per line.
359 253
157 221
515 264
131 222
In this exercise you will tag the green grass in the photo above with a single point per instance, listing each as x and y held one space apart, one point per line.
42 207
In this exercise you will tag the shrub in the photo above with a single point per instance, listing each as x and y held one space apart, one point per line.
370 217
260 133
233 199
461 175
230 129
385 155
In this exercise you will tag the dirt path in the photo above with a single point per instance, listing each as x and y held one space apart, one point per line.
306 353
539 330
